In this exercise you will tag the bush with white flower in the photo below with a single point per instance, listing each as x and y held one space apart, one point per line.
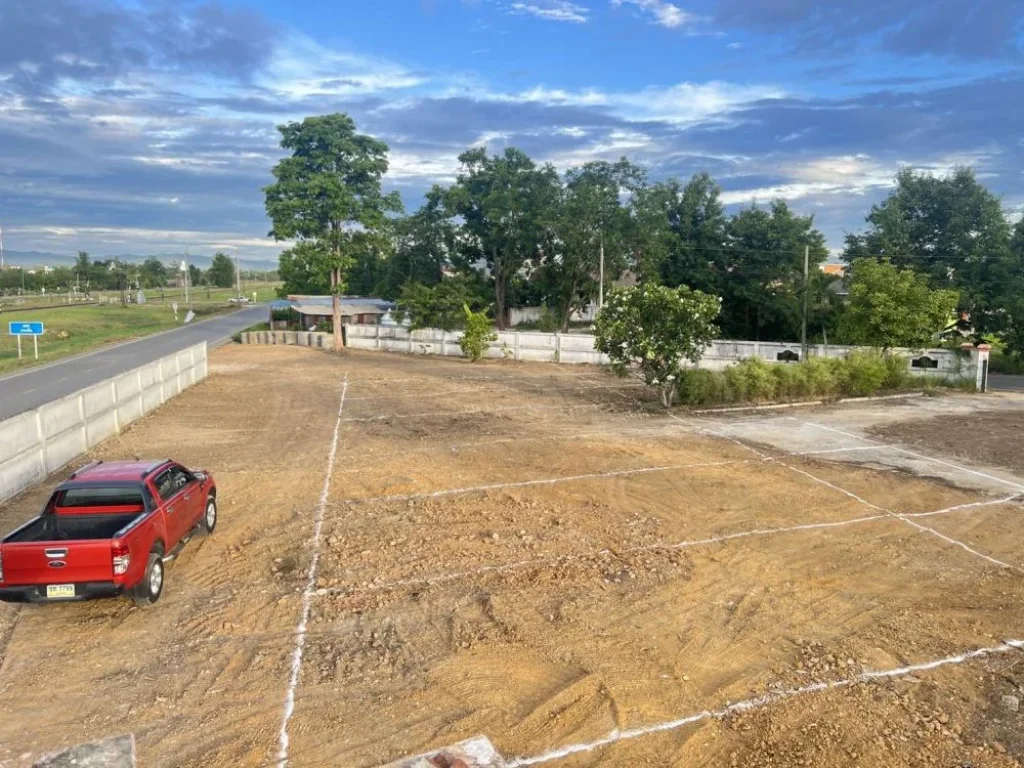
650 331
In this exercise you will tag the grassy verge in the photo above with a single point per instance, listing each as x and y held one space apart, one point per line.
73 330
755 381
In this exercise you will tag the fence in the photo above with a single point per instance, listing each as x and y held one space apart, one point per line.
35 443
968 364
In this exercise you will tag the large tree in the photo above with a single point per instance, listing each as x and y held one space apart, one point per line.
762 272
591 230
222 271
153 273
698 224
893 307
328 193
424 246
507 205
950 228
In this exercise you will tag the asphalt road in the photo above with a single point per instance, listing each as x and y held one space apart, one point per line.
1000 382
37 386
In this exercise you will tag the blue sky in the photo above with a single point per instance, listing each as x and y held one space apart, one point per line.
148 127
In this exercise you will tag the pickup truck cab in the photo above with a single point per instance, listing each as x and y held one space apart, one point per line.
108 530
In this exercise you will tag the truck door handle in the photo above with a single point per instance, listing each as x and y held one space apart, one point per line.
187 497
170 510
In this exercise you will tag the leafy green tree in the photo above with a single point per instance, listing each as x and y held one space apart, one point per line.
196 277
653 330
762 268
221 273
698 224
153 273
425 243
591 222
329 192
951 229
437 306
893 307
477 335
507 205
301 269
1012 327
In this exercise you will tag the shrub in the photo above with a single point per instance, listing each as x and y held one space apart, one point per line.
548 321
700 387
652 330
753 381
862 374
897 375
477 336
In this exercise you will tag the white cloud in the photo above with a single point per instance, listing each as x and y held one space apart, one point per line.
665 14
554 10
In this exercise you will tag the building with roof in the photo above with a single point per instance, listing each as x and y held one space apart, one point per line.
315 312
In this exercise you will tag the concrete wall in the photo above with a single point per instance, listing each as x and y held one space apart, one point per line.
293 338
35 443
579 348
517 315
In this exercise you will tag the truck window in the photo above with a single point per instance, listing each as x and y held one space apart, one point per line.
171 481
101 497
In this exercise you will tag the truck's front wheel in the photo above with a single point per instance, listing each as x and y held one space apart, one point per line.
148 590
210 515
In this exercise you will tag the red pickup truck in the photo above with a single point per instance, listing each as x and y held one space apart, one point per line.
108 530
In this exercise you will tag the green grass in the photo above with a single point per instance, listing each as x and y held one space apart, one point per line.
72 330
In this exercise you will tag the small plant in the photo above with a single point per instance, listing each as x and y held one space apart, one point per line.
863 374
477 336
548 322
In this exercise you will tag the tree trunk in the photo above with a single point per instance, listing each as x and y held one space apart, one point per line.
339 339
500 301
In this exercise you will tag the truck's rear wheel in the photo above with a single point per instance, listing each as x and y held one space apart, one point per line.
210 515
148 590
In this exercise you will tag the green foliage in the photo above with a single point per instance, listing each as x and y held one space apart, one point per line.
507 205
221 272
756 381
477 335
436 306
327 195
891 307
653 330
952 230
1006 362
548 322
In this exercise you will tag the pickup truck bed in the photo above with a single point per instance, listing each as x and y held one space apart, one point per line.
73 527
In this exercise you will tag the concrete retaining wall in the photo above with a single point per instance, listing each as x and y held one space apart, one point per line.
966 365
295 338
35 443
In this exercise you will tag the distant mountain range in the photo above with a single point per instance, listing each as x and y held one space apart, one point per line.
41 258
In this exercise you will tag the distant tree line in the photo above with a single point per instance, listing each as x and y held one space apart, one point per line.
88 275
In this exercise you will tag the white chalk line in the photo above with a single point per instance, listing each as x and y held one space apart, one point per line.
500 409
307 593
759 702
542 562
541 481
865 502
913 453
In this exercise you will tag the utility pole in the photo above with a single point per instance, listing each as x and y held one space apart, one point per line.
238 278
807 295
600 286
1 249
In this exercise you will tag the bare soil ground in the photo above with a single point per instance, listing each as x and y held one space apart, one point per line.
988 438
539 554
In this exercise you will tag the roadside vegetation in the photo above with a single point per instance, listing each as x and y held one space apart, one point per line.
73 330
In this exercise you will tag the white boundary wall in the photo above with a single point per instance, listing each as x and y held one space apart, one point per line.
966 365
35 443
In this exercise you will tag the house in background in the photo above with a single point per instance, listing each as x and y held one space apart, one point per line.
309 313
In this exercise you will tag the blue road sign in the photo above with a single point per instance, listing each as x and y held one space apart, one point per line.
25 329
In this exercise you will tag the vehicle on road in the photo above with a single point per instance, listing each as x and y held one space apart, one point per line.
109 529
240 300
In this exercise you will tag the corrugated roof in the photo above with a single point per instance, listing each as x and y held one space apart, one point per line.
346 309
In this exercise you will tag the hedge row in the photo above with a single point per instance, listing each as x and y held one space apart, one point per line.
755 381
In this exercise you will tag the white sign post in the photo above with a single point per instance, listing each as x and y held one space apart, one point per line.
19 329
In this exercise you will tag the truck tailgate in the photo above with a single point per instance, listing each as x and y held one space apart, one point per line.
57 562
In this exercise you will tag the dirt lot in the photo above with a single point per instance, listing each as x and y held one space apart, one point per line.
988 438
538 554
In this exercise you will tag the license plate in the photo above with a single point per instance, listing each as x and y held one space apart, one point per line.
60 590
